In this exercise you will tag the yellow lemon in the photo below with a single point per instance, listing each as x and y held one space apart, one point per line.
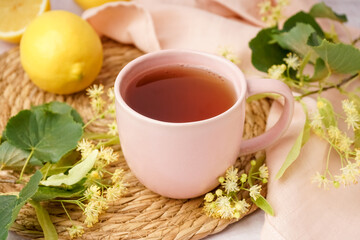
16 15
61 52
85 4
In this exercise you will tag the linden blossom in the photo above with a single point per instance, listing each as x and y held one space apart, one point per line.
225 204
284 54
65 180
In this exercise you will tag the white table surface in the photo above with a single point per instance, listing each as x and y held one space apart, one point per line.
248 228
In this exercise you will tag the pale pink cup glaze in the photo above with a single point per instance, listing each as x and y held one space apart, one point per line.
184 160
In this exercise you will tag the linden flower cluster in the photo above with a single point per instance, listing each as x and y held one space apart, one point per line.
227 53
99 193
271 14
277 71
224 203
348 151
95 93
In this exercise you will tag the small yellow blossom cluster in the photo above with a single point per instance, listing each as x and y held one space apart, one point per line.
352 114
229 55
292 61
98 193
98 201
224 203
75 231
340 141
277 71
271 14
96 205
105 157
95 93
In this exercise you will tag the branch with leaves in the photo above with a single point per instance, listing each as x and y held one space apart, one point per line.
286 53
71 166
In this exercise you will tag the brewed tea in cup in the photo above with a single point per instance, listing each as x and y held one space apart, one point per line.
180 117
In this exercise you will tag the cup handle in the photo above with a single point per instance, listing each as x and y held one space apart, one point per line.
259 85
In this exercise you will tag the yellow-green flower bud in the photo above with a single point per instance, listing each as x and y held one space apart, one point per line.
221 179
219 192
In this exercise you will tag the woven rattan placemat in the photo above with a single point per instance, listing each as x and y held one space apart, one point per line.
140 214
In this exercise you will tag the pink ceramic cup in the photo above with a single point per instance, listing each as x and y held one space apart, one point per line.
184 160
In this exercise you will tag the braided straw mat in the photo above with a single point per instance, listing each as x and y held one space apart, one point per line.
140 214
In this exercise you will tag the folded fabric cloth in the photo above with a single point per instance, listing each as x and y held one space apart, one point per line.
302 210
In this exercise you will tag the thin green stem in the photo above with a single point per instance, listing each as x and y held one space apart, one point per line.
77 202
47 171
67 214
344 81
102 115
90 121
288 71
355 40
26 163
112 141
94 136
302 66
327 161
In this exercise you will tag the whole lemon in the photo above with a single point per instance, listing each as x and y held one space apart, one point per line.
85 4
61 52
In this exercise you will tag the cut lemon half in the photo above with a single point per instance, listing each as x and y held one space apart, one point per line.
16 15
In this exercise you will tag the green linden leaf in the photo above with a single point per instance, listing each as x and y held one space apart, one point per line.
264 205
46 193
60 108
264 53
7 204
12 157
300 141
49 135
296 40
341 58
326 110
302 17
10 205
321 10
295 150
320 70
75 174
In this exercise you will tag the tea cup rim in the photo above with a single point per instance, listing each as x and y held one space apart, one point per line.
240 91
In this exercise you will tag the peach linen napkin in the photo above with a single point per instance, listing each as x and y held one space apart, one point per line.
302 210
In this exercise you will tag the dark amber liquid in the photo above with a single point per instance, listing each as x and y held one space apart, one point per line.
180 94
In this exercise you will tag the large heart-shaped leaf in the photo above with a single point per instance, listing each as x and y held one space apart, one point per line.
342 58
7 204
10 205
264 52
305 18
321 10
60 108
48 135
296 40
12 157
